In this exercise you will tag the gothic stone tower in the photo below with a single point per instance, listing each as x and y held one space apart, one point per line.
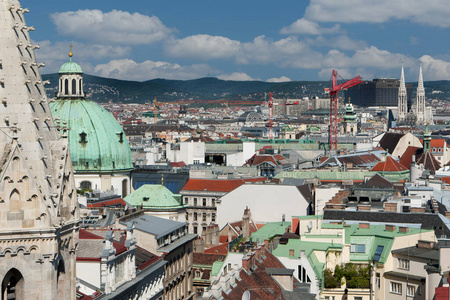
402 99
38 202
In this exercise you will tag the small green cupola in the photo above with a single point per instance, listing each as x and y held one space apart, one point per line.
70 79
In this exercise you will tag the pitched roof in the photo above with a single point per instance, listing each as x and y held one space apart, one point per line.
213 185
407 156
258 159
118 202
90 246
377 181
207 258
389 165
254 281
179 164
429 162
154 196
437 143
145 258
390 140
219 249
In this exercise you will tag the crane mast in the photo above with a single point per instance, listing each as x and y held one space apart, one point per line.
332 130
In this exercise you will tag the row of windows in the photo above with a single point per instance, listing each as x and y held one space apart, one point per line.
213 217
403 263
204 201
74 87
411 290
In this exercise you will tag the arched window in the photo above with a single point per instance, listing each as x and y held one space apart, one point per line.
124 188
66 87
61 281
13 285
80 87
74 87
86 185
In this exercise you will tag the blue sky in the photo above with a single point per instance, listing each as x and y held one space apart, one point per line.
245 40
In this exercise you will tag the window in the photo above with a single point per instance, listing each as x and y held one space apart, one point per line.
357 298
378 252
204 201
83 139
195 229
195 201
403 264
358 248
204 217
213 217
396 288
213 202
186 200
204 230
377 280
197 274
74 87
410 291
195 216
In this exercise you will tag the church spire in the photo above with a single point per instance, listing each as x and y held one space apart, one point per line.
402 98
38 201
420 100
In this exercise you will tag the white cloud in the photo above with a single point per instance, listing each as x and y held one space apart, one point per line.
435 69
128 69
115 27
55 54
279 79
433 12
202 47
236 76
303 26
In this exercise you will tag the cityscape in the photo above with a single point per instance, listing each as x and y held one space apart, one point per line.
193 178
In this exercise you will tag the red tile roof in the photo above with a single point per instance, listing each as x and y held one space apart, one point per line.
213 185
114 202
390 165
207 258
276 159
437 143
406 158
219 249
178 164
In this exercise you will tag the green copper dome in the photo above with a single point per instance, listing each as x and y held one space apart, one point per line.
70 68
155 197
97 141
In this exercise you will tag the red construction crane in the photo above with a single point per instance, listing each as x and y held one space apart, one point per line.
271 104
332 130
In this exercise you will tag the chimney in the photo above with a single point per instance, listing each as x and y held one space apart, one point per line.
425 244
403 229
390 227
363 207
364 225
246 263
283 219
266 243
390 206
246 223
417 209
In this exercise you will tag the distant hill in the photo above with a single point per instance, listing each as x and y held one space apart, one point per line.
102 89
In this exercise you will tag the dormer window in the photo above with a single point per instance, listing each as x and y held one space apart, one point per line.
83 138
120 135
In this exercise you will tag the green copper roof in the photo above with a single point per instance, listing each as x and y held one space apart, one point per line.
155 196
97 141
70 67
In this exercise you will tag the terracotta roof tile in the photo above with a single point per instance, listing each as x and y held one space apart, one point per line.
407 156
213 185
429 162
207 258
390 165
219 249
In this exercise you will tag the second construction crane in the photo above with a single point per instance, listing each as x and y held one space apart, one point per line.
332 130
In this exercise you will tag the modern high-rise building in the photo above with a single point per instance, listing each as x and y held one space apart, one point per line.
38 199
378 92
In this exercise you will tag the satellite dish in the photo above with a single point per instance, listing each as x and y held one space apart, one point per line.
246 295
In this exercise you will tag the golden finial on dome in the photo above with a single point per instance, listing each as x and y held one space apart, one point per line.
70 53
